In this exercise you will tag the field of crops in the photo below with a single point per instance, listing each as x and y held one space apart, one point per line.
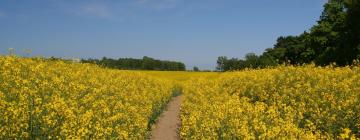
55 99
283 103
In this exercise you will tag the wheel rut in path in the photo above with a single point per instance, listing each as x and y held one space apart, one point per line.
167 127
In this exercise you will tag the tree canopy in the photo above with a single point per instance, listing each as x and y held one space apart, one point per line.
146 63
334 39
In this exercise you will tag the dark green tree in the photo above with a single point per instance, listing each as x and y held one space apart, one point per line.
196 68
221 63
147 63
335 38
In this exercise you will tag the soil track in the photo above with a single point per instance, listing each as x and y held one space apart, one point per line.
167 127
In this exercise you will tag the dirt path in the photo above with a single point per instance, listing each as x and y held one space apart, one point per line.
168 124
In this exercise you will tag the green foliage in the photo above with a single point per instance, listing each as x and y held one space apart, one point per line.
335 39
146 63
251 61
336 36
292 50
196 69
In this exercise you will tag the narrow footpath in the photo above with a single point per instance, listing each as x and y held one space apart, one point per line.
167 127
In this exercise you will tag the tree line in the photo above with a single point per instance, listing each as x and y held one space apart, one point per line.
146 63
335 39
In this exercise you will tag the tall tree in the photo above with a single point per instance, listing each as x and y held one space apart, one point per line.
196 68
221 63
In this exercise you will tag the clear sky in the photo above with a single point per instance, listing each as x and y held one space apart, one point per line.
195 32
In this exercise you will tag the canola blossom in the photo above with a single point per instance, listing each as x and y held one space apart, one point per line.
286 102
47 99
43 99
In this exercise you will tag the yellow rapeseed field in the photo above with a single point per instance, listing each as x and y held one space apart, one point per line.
43 99
282 103
55 99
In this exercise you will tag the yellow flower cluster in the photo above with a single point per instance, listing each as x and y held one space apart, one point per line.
286 102
43 99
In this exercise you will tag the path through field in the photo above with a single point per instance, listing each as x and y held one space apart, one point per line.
169 122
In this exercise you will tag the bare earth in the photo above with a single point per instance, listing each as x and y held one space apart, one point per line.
167 127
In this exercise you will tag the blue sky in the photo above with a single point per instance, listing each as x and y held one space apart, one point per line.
195 32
